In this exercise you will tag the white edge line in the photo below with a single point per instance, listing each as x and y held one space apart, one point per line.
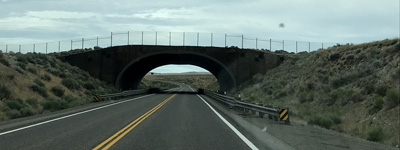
241 136
71 115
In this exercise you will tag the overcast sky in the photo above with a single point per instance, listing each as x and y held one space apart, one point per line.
337 21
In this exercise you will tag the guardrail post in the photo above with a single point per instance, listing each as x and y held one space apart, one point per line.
261 115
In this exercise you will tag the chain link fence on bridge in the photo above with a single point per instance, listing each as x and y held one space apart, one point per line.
168 39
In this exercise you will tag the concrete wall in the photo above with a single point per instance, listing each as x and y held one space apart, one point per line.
125 66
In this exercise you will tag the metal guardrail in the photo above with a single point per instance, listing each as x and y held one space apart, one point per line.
120 95
276 113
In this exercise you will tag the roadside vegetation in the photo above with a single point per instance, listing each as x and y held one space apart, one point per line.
35 83
347 88
204 81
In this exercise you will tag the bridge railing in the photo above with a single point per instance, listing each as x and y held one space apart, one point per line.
168 39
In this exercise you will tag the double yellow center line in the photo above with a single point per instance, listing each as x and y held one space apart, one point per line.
121 133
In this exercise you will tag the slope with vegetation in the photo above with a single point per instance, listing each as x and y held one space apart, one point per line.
37 83
347 88
204 81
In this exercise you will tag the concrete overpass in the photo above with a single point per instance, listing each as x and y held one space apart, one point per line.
125 66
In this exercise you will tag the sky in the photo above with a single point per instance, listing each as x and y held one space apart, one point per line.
316 21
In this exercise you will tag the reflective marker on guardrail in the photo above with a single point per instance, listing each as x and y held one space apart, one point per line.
284 114
96 98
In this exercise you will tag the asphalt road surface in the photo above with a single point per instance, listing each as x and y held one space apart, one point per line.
157 121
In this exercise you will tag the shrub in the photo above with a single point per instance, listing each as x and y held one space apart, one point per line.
38 89
22 65
26 111
325 120
334 56
378 103
58 91
70 84
21 58
5 93
89 86
32 70
16 104
321 121
381 89
45 77
392 97
38 82
13 114
32 101
53 105
343 96
4 62
19 69
375 134
305 96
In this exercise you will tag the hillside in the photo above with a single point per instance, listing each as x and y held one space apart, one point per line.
36 83
347 88
204 81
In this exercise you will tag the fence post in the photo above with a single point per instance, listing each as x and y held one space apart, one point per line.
34 47
128 37
111 39
83 41
71 45
6 48
197 39
142 37
309 46
296 47
183 38
225 39
283 45
97 41
211 39
19 49
322 45
169 38
270 46
46 47
59 46
256 43
242 41
156 38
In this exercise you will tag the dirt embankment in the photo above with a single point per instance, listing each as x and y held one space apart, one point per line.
352 89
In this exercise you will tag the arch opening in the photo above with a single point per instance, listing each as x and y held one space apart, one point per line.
133 73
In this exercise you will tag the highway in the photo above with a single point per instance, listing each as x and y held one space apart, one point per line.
154 121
